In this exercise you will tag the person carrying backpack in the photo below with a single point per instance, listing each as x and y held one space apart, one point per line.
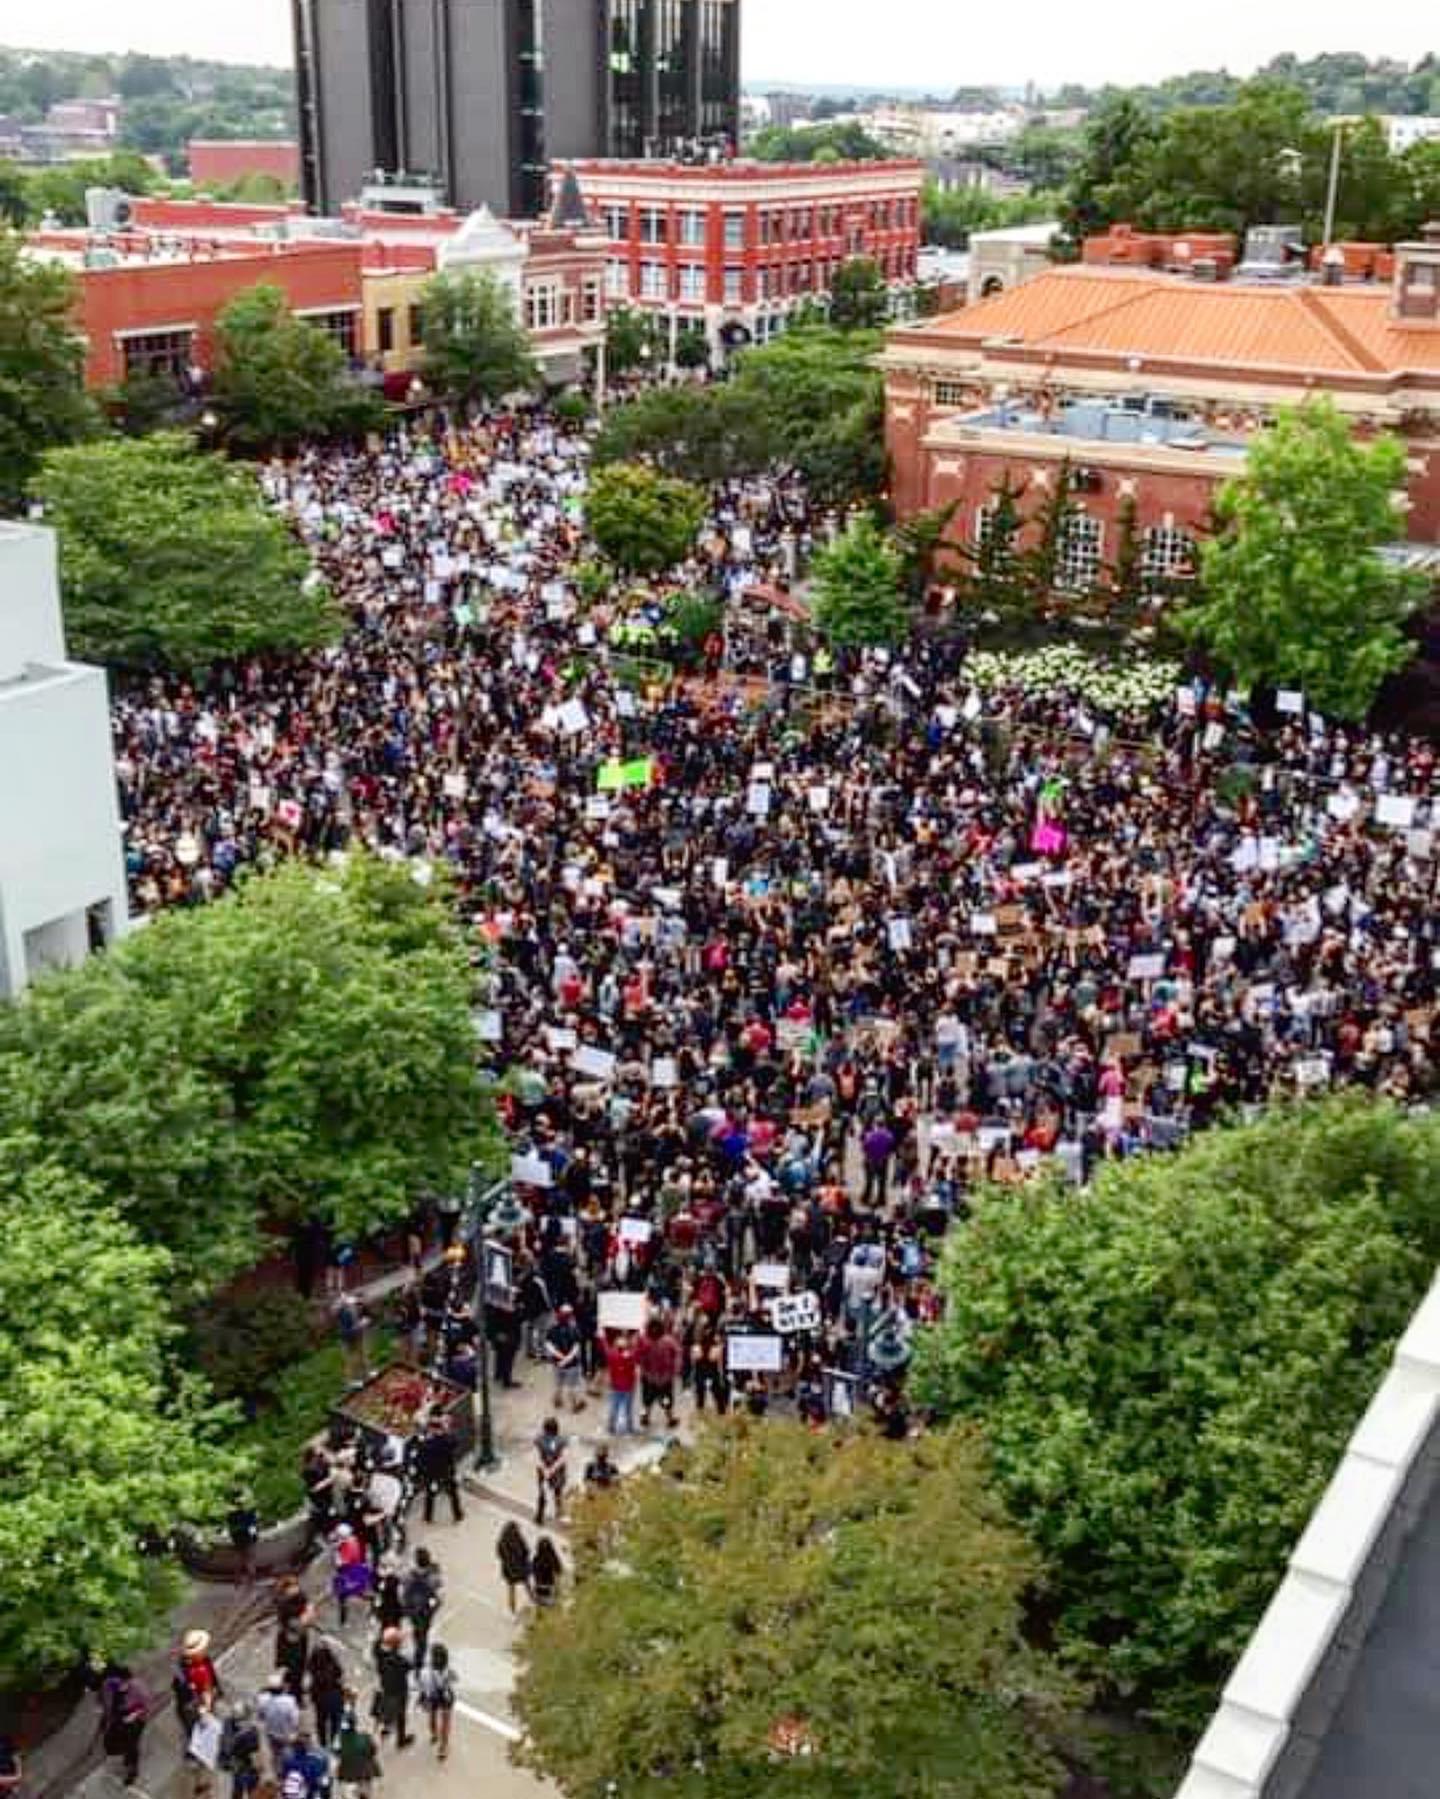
420 1600
240 1751
437 1697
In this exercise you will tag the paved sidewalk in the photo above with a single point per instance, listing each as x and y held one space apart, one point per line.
473 1622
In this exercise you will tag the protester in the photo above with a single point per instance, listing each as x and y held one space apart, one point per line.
437 1696
420 1595
786 967
513 1553
435 1465
124 1713
551 1470
278 1714
392 1670
546 1570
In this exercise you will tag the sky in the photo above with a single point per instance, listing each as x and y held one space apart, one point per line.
935 44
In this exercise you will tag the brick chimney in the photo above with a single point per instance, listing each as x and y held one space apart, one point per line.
1415 297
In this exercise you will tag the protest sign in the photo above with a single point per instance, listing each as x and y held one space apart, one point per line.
794 1312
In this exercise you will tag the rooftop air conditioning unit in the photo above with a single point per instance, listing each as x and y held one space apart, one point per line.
107 209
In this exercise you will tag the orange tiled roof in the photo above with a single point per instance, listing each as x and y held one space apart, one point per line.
1329 330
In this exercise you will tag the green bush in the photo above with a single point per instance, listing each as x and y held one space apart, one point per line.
572 408
302 1399
242 1344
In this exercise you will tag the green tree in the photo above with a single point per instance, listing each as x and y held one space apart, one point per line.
922 541
475 347
1168 1364
301 1049
997 563
643 522
632 341
42 362
14 195
805 1617
280 380
692 348
1051 525
860 587
1224 168
102 1439
1294 592
825 142
812 401
1125 587
859 297
1104 188
170 556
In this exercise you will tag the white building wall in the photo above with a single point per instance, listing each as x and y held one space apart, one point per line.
60 845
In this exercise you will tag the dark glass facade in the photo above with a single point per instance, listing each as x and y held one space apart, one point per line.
673 74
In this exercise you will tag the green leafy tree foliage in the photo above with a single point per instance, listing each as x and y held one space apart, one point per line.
642 521
811 401
997 563
1294 594
842 142
1168 1364
101 1440
42 390
952 214
1104 187
859 297
280 380
475 347
301 1049
857 1600
631 341
1225 168
860 587
170 556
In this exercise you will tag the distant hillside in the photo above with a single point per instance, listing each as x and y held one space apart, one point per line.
168 99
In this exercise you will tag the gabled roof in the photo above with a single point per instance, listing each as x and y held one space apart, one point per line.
1340 331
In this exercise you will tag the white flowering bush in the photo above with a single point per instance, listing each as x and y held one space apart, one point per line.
1123 689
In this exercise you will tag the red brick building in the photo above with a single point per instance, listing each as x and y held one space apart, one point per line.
214 162
149 294
1149 387
742 244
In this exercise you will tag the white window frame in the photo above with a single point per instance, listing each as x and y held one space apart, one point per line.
734 234
1081 553
734 284
130 340
692 228
544 309
654 281
617 279
654 225
692 281
1167 554
617 222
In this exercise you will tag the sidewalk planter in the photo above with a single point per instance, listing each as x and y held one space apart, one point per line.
397 1401
280 1550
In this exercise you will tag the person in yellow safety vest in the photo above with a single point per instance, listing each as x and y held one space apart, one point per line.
824 664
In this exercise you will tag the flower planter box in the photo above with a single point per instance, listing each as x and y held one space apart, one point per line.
396 1402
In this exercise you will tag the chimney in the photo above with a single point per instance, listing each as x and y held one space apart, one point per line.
1415 296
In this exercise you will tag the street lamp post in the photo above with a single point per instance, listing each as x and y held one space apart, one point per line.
482 1202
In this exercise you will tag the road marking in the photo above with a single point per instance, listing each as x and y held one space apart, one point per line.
488 1721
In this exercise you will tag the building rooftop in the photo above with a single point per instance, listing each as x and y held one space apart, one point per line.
743 168
1172 319
1101 422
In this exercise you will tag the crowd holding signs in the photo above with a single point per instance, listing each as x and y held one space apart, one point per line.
779 981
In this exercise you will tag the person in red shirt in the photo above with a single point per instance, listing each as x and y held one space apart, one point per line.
659 1358
622 1364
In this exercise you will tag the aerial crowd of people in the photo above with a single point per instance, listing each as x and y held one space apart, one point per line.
783 960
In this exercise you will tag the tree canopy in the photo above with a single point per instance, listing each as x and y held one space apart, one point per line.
101 1440
811 401
1168 1363
280 380
845 141
1293 591
860 587
778 1612
303 1048
475 346
859 296
169 556
644 522
1252 156
42 364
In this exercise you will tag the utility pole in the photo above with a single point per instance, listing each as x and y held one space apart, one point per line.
1333 192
